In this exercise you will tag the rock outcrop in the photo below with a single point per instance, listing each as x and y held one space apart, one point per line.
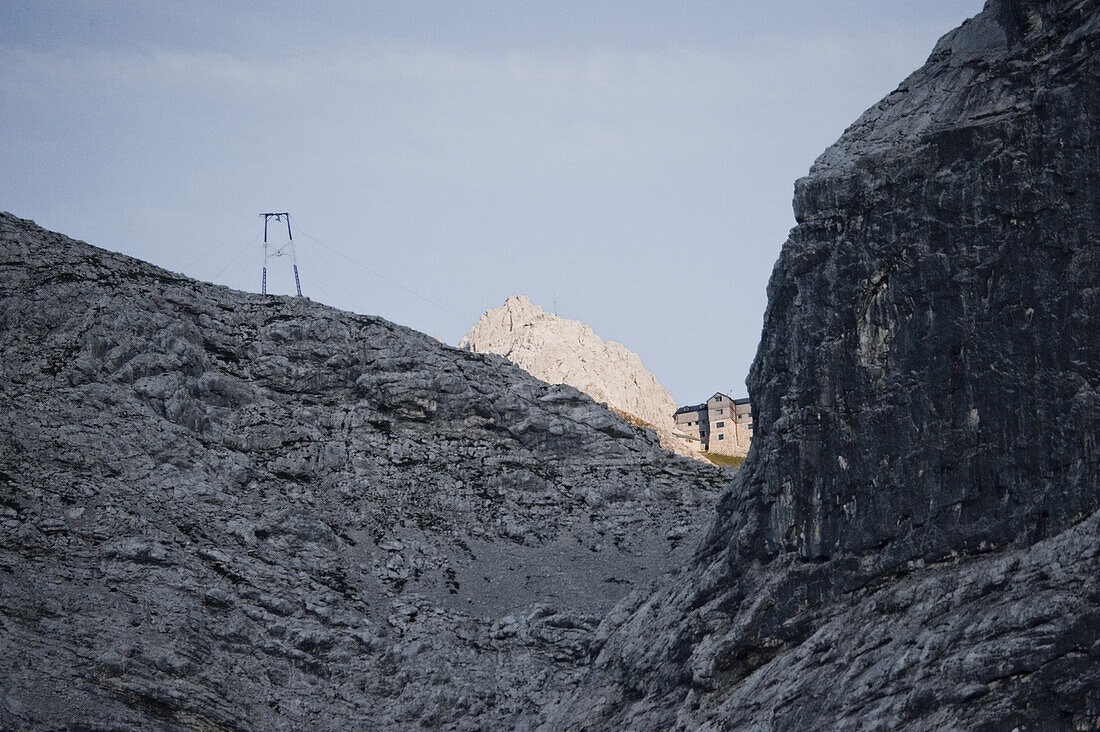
913 539
233 511
562 351
223 510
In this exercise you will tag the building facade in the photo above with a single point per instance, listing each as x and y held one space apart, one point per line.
721 425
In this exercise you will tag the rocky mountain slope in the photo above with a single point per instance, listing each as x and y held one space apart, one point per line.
914 540
223 510
562 351
232 511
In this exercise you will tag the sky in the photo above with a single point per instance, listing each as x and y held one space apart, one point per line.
626 163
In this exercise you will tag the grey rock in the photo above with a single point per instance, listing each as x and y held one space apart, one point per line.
295 518
561 351
913 539
224 510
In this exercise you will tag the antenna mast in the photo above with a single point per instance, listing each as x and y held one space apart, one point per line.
279 216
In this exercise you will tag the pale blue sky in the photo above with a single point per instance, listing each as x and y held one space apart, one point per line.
630 162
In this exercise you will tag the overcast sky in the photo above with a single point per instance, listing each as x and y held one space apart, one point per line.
629 164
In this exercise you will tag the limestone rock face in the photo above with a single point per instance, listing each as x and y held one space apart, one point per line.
913 539
221 510
231 511
562 351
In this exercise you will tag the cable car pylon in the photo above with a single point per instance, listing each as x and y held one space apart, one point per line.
281 251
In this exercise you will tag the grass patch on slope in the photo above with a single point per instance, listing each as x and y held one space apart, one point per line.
725 461
633 420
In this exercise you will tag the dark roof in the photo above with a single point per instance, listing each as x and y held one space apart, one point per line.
703 406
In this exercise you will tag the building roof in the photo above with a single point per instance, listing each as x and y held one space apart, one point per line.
703 406
743 400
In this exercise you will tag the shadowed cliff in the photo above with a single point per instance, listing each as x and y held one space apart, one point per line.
913 538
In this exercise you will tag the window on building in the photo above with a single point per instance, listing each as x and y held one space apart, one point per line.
721 424
721 437
750 426
717 398
719 411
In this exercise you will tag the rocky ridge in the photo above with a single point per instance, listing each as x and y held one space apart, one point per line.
562 351
201 529
912 541
224 510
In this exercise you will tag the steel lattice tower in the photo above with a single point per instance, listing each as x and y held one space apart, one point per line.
281 251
